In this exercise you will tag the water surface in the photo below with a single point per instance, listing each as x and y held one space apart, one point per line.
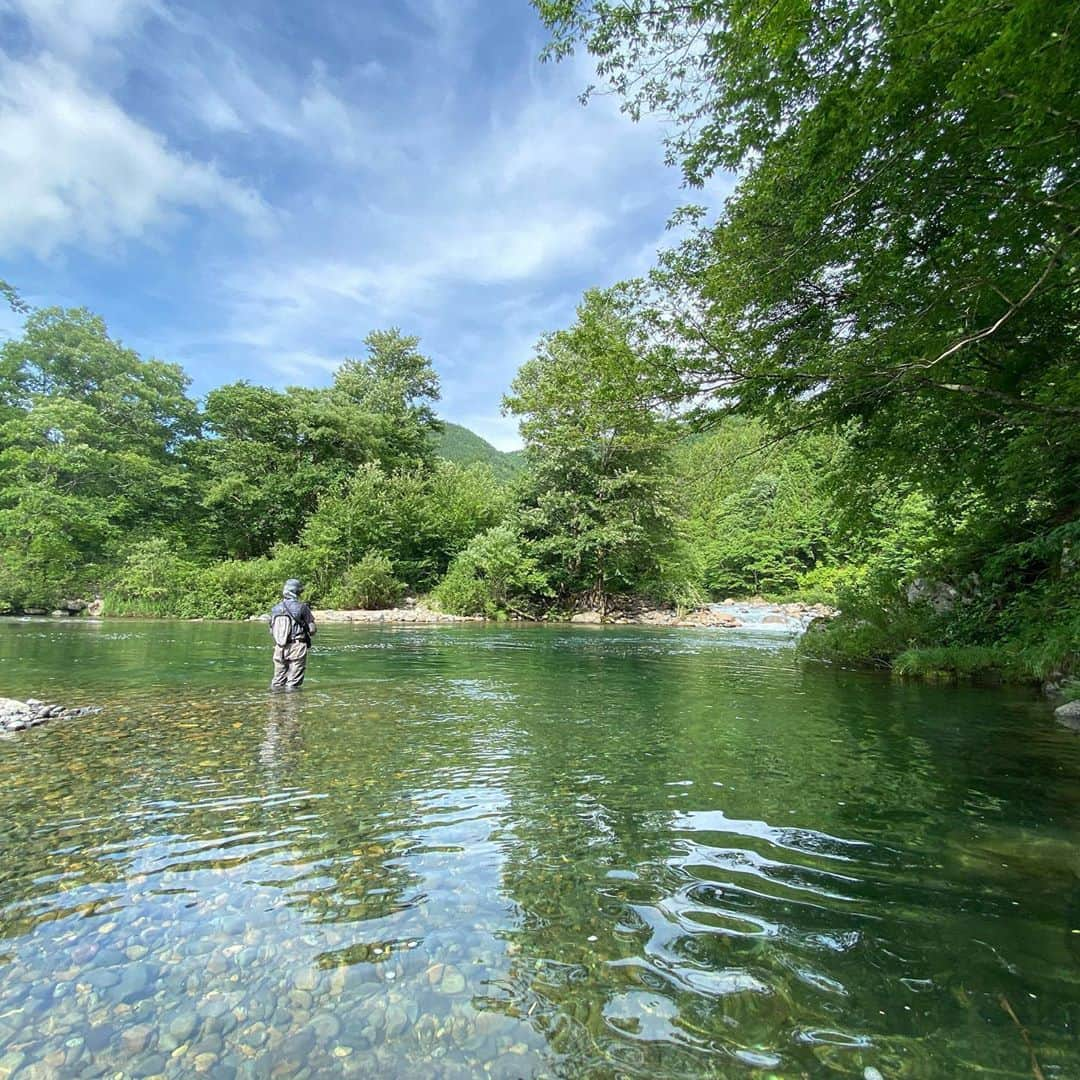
527 851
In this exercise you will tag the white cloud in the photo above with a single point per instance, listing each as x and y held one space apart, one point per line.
74 27
418 179
78 170
472 243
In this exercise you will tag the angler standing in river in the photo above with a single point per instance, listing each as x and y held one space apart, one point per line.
292 626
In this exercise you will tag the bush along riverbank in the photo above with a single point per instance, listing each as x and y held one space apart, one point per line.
940 632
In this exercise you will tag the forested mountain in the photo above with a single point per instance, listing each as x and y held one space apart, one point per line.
457 443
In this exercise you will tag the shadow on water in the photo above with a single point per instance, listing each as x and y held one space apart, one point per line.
526 851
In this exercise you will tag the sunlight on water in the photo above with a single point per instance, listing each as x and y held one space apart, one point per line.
527 851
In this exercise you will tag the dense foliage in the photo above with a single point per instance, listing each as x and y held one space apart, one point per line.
597 504
897 266
113 480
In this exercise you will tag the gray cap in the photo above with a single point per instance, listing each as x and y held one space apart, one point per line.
293 585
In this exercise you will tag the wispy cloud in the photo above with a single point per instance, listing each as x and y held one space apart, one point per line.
76 27
406 163
78 170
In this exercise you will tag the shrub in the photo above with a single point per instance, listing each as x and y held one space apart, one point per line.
677 581
38 579
869 631
369 583
235 589
419 519
153 580
828 584
963 662
492 576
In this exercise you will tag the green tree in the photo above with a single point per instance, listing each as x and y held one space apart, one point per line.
497 573
268 456
419 519
901 246
90 436
598 506
761 513
899 257
12 298
395 384
271 454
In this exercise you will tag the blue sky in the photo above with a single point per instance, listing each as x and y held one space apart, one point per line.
248 188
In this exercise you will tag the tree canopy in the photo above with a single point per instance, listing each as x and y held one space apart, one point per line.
898 260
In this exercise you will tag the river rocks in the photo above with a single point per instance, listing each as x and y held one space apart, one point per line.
588 617
707 617
18 715
751 613
409 614
1069 714
655 617
135 1038
326 1026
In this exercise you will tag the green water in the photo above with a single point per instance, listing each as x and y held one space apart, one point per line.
526 852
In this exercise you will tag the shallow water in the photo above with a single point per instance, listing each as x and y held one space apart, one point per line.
526 851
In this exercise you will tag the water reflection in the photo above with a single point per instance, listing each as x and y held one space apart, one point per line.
282 738
534 852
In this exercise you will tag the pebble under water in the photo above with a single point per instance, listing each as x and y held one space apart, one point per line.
525 852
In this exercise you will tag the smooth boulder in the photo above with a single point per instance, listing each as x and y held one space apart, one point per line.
1069 714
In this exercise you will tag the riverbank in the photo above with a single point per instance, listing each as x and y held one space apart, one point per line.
418 614
730 615
908 648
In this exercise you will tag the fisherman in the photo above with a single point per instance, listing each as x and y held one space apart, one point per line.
292 626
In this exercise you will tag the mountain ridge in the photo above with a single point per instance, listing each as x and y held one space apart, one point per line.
458 443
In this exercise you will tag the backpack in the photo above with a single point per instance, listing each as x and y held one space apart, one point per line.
281 625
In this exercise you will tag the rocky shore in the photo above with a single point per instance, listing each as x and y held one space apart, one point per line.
18 715
730 615
417 614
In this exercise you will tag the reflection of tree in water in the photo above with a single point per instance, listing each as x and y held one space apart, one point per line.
731 939
591 818
964 785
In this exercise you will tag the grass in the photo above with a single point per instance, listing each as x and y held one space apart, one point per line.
905 648
978 662
114 605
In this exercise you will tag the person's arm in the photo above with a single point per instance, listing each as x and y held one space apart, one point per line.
310 619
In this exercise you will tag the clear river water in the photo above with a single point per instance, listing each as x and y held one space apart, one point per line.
524 851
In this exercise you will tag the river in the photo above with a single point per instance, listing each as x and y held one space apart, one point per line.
524 851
